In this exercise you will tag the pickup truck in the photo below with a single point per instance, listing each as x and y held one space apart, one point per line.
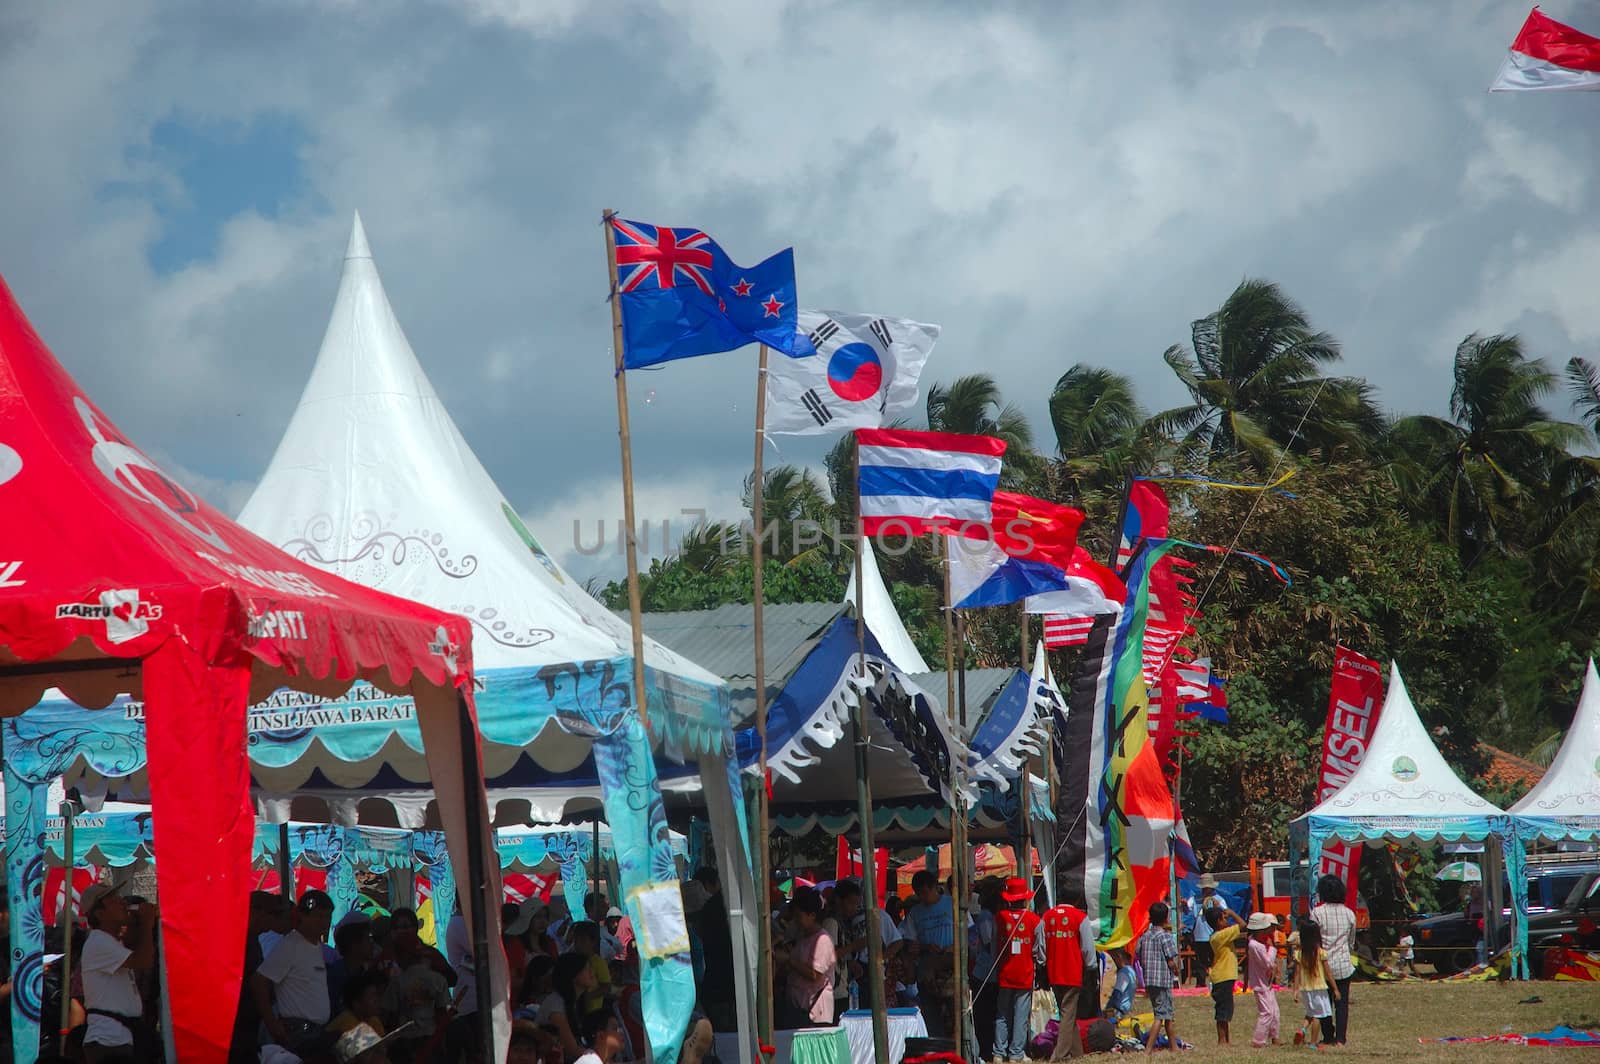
1450 942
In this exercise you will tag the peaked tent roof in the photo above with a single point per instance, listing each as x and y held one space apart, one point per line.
372 480
882 618
1571 786
114 562
1403 774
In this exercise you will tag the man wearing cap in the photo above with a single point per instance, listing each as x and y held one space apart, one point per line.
110 995
1018 949
1202 931
291 986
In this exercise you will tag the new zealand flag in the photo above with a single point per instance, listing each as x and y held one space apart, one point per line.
682 296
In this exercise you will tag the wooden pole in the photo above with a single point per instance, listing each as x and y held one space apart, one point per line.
477 906
763 806
869 865
958 817
1025 785
630 535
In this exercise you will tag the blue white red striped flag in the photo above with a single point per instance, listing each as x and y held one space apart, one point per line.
916 482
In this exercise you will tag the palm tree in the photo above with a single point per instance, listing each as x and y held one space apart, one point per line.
1254 383
1093 410
1098 425
1477 471
973 405
790 495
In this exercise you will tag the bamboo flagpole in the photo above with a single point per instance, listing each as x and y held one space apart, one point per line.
630 535
764 984
958 813
869 864
1025 786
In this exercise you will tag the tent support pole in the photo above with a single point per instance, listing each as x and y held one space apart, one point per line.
477 875
285 866
966 1037
69 809
758 491
869 863
625 435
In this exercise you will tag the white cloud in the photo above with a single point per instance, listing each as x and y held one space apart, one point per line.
1043 195
583 527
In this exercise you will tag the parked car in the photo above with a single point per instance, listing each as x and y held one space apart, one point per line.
1560 898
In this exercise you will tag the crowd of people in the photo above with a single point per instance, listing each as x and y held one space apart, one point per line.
820 961
369 990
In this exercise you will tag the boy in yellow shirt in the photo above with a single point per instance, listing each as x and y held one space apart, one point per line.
1224 971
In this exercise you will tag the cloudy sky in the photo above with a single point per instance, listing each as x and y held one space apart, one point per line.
1052 183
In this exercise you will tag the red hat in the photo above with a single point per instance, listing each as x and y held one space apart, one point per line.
1017 889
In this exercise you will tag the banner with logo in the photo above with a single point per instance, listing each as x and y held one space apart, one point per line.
1354 703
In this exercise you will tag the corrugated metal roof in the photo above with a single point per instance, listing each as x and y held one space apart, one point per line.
723 641
983 685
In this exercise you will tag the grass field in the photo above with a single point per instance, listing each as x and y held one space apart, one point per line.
1386 1021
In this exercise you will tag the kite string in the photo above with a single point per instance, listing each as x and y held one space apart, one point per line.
1239 532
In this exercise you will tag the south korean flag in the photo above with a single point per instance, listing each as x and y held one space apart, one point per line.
864 373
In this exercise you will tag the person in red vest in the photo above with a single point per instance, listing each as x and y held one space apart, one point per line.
1068 951
1018 949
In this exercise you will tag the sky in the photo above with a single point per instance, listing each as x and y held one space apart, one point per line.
1051 183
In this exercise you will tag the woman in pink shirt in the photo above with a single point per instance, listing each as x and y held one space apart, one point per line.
812 960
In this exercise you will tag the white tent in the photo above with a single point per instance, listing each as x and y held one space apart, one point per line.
1404 791
1403 778
373 481
883 620
1565 804
1571 786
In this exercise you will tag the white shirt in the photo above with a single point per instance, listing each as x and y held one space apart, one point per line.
299 973
588 1058
552 1006
108 985
458 951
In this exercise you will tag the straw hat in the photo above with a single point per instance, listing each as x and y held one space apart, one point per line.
1208 882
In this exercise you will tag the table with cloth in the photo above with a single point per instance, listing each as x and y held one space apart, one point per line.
903 1024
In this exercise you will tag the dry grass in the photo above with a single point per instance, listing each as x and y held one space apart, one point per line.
1386 1021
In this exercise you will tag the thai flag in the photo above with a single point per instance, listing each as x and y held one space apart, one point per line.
917 482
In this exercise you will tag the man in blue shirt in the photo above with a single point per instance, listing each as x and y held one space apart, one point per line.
929 930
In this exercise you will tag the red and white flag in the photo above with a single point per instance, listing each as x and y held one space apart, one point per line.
1549 56
1061 631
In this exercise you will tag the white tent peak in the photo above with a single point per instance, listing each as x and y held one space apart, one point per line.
1403 774
883 620
372 480
1571 785
358 249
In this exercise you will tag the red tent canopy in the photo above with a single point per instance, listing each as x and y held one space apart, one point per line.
115 579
